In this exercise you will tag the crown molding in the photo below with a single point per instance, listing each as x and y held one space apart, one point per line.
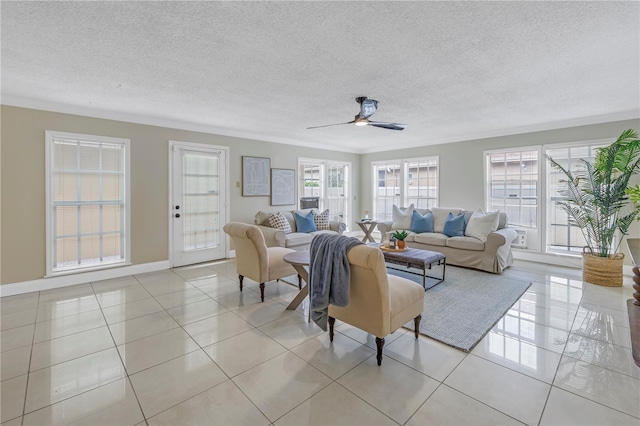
555 125
39 104
43 105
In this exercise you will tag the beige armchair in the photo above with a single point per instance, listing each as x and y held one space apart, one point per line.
254 259
378 303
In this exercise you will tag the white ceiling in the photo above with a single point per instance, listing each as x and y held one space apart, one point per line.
267 70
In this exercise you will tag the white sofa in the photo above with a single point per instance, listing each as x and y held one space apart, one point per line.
493 255
294 240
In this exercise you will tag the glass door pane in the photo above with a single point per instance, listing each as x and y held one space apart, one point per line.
201 202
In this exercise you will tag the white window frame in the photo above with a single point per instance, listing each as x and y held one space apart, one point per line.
545 204
547 197
539 190
50 227
403 164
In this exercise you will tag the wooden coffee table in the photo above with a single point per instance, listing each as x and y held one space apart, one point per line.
418 259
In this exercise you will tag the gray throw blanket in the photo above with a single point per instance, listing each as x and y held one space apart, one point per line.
329 274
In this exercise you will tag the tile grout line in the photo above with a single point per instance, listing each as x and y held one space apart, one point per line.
290 350
126 372
569 356
128 376
26 387
467 354
181 326
203 350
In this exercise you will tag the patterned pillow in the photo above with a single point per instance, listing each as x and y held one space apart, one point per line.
278 221
321 220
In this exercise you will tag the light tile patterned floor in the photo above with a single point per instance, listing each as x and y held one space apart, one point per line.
186 347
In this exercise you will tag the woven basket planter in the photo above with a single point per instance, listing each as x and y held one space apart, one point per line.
605 271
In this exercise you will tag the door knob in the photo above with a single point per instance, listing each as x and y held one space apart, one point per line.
177 214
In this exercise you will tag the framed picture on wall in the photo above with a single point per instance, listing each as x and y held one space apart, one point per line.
255 176
283 187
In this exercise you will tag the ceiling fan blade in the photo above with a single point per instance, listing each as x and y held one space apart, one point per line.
329 125
384 125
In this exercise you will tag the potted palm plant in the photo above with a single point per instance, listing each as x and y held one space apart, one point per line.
597 201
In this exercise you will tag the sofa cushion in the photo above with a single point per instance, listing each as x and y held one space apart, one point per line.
321 220
421 223
305 223
481 224
402 217
324 231
410 236
435 239
440 216
387 237
278 221
295 239
465 243
454 225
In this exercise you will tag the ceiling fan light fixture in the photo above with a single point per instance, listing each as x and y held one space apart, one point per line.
367 108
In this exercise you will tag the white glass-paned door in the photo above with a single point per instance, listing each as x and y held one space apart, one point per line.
198 208
337 188
387 189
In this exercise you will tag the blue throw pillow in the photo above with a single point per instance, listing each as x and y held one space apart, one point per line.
305 223
454 226
421 223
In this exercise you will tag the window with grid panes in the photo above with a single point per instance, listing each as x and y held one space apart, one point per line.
404 182
562 235
87 207
512 180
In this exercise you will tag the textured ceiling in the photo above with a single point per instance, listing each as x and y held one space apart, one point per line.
267 70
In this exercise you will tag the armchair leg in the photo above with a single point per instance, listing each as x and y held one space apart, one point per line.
240 277
332 321
379 344
299 282
416 320
262 291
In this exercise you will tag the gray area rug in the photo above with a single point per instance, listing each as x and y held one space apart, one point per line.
463 308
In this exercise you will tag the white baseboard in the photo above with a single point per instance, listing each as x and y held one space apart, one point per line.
558 260
67 280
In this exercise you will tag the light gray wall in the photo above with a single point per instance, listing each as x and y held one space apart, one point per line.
461 181
22 180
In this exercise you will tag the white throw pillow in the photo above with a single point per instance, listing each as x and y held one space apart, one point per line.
481 224
401 219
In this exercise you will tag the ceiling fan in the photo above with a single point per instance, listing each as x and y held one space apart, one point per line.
367 108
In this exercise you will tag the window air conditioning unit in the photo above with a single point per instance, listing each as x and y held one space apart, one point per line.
309 202
521 239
